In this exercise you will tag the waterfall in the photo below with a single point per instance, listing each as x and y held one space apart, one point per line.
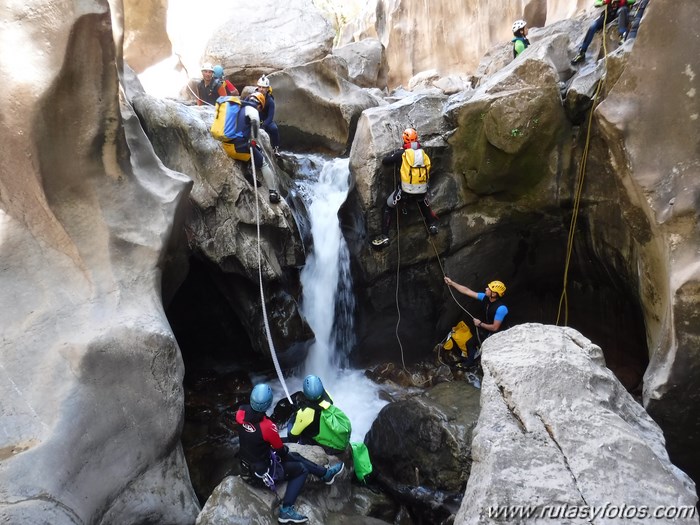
328 303
327 300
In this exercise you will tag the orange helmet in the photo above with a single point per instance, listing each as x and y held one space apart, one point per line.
410 135
258 97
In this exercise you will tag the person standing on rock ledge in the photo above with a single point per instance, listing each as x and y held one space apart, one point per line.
258 437
520 41
267 114
495 312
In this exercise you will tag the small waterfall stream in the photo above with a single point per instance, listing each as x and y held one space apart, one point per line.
328 303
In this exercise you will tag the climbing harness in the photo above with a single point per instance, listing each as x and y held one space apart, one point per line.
278 369
564 299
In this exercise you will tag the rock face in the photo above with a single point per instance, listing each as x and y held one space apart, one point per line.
92 375
450 36
557 430
246 49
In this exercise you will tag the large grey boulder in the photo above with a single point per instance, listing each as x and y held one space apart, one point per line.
92 400
435 432
366 62
557 430
317 106
252 42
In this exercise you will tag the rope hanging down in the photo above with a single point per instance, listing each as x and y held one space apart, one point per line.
442 269
564 299
278 369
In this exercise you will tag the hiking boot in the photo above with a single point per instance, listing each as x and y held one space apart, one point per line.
274 197
289 515
331 472
381 241
580 57
623 37
433 229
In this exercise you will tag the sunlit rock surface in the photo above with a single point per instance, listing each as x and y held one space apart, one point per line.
557 429
92 400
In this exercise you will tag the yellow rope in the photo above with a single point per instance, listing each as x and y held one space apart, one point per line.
564 299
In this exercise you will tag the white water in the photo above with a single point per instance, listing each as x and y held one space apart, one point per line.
328 302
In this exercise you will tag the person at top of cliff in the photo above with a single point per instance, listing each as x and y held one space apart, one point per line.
520 41
612 9
267 115
495 312
258 436
247 138
413 184
226 87
208 88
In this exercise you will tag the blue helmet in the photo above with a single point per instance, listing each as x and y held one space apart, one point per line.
313 388
218 72
261 397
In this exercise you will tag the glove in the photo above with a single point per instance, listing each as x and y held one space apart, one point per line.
253 143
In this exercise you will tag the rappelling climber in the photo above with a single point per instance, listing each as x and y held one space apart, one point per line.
317 421
258 438
520 42
414 184
612 9
495 312
247 135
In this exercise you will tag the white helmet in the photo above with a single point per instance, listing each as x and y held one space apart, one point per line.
518 25
263 81
207 67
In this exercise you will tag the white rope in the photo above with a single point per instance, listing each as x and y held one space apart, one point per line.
278 369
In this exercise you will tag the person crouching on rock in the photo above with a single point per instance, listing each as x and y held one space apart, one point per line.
258 437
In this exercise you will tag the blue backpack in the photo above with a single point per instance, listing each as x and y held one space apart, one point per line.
225 126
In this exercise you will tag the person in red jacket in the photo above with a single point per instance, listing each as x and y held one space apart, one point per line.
612 9
258 436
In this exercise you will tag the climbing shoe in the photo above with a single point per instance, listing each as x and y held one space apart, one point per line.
331 472
274 197
580 57
289 515
381 241
433 229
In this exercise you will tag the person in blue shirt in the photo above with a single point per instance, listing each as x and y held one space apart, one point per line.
495 312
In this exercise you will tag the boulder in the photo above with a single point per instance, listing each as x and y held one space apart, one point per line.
434 430
92 398
366 62
558 431
317 107
146 39
221 223
243 44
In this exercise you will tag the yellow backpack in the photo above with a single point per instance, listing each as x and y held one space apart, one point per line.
459 336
